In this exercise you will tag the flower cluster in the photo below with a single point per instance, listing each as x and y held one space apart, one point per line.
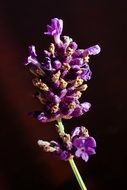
61 78
78 144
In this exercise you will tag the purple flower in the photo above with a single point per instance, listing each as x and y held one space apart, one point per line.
32 58
64 155
85 146
79 144
89 51
55 29
79 131
61 78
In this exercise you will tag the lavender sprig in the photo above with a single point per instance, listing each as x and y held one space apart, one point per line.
60 81
78 144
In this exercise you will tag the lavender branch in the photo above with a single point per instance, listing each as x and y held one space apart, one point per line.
71 161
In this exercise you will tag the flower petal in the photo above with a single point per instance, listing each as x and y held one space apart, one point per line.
55 28
64 155
90 151
32 51
90 142
75 132
78 142
85 106
85 156
78 153
92 50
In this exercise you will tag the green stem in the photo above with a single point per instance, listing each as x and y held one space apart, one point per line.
60 126
77 174
71 161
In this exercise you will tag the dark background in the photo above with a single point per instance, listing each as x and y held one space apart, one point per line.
23 165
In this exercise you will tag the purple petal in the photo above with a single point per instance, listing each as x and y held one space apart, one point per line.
56 84
75 67
78 153
55 28
47 64
65 110
81 109
49 30
56 99
70 90
73 45
32 60
85 75
90 151
57 64
77 61
75 132
90 142
77 112
78 53
92 50
41 117
85 72
64 155
78 142
85 156
69 99
63 93
52 97
32 51
47 53
85 106
58 25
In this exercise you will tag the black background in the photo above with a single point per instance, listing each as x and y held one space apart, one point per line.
23 165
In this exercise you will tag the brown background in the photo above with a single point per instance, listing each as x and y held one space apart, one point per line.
23 165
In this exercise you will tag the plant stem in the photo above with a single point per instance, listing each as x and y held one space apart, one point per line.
77 174
71 161
60 126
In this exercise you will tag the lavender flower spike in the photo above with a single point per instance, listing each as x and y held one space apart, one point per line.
60 80
55 29
79 144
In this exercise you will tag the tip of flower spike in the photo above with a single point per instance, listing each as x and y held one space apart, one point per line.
55 28
62 72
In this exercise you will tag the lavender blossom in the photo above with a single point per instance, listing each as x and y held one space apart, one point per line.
32 58
79 144
61 78
85 147
55 29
